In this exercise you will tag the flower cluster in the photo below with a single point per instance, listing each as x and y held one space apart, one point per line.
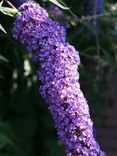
55 11
57 14
58 61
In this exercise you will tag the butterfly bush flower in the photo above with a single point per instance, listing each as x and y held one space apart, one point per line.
55 11
58 63
57 14
98 7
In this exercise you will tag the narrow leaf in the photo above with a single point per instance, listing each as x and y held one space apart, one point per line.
1 3
59 5
8 11
60 1
2 58
1 28
4 139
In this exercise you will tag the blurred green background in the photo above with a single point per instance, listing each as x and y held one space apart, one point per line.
26 126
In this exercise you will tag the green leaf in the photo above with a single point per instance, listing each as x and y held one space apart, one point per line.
4 139
60 1
2 58
59 5
9 11
6 136
1 28
1 3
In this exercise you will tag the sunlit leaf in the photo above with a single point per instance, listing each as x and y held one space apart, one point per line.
63 3
1 28
1 3
2 58
8 11
59 4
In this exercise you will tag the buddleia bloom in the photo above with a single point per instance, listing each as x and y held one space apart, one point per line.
58 64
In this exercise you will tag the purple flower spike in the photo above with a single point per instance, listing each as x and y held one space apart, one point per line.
55 10
59 61
98 7
93 8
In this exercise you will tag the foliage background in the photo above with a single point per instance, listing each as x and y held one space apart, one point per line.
26 127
